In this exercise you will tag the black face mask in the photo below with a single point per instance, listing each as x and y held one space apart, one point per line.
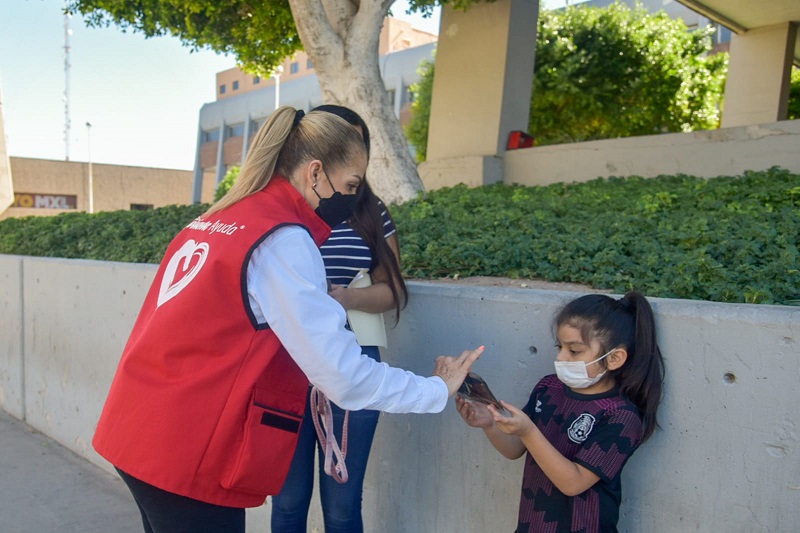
336 209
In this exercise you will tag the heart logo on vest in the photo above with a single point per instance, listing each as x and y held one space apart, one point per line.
191 254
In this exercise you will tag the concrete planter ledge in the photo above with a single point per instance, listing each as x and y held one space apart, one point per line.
727 456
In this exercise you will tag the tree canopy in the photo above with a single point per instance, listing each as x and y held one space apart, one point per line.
259 34
417 128
614 72
610 72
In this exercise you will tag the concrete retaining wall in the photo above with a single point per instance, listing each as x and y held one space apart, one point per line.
706 154
726 459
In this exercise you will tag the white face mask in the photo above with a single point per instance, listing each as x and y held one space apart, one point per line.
574 375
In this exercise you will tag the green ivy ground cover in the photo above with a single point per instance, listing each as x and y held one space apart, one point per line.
728 239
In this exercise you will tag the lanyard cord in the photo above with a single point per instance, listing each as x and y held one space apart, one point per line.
321 413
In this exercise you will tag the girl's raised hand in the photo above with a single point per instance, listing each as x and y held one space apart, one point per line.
517 423
475 414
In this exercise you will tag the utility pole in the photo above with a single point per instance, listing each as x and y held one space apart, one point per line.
91 177
67 33
277 75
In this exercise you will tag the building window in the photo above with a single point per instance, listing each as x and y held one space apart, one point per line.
222 89
309 65
256 80
141 207
211 136
294 68
390 92
235 85
255 125
237 130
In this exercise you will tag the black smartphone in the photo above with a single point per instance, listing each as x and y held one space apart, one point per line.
475 389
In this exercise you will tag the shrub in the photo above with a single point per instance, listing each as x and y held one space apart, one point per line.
727 239
226 183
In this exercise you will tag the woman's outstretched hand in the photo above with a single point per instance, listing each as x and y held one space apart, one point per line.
454 370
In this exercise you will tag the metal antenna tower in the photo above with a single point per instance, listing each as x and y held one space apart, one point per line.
67 33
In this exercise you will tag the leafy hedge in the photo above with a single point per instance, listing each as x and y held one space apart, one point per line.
728 239
127 236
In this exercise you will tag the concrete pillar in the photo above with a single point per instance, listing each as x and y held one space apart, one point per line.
197 184
245 138
220 158
757 89
6 185
481 91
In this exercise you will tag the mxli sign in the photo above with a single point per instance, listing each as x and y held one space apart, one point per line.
45 201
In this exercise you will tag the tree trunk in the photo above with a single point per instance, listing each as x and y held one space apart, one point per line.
341 38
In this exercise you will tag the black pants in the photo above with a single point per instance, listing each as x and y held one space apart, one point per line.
165 512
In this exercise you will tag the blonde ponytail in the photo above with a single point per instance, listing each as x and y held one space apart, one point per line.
283 144
262 157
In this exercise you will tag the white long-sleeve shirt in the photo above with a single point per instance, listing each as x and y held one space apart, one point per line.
287 289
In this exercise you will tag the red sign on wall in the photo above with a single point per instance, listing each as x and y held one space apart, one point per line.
45 201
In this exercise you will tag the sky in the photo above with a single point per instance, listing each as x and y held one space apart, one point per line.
141 96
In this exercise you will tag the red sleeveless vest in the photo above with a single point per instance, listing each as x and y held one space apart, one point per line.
205 403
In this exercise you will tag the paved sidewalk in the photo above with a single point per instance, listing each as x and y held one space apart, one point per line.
45 488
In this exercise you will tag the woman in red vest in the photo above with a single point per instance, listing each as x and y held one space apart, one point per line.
202 417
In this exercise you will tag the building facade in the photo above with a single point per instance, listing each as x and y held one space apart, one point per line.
43 187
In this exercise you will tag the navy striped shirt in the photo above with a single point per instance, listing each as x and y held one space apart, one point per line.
345 252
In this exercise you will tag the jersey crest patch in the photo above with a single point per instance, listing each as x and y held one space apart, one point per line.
580 428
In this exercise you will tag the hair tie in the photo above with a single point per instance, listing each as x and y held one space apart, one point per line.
299 114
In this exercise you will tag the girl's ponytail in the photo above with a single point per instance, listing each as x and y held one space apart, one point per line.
642 376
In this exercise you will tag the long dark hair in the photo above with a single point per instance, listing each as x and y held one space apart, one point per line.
627 322
367 219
